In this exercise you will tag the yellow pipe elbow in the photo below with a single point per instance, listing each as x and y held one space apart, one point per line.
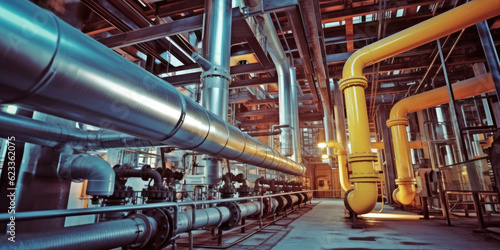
404 194
363 198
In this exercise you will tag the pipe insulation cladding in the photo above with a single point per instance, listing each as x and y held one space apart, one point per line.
50 66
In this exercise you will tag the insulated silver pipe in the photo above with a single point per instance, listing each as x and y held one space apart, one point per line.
216 80
52 135
104 235
282 69
212 216
294 101
94 85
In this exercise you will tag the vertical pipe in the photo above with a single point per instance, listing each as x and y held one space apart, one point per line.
328 135
284 89
453 112
216 80
490 52
295 115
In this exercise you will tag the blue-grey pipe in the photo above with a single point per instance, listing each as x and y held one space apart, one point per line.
282 65
294 101
54 135
104 235
98 173
75 77
216 79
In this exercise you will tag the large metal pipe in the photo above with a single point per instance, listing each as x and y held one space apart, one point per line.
282 65
216 80
342 160
405 193
294 102
53 135
94 85
364 196
104 235
98 173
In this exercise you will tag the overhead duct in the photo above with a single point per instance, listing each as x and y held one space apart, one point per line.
282 65
52 135
405 193
364 196
94 85
98 173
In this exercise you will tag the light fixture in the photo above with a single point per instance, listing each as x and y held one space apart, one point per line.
322 145
11 109
325 156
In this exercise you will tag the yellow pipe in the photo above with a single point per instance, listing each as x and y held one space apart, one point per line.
354 83
343 168
398 122
413 144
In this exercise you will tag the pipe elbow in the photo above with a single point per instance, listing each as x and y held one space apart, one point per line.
363 198
98 173
404 194
356 62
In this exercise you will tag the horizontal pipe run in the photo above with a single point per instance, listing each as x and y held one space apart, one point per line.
104 235
96 86
52 135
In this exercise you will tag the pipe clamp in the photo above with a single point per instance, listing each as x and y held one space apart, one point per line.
352 82
397 121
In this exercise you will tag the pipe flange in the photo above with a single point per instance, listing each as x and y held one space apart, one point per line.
356 157
149 233
289 201
301 198
403 181
397 121
364 177
164 231
281 203
353 81
216 71
234 216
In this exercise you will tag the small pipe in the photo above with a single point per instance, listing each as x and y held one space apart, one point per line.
204 63
343 167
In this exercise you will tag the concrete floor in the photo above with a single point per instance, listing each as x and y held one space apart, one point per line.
325 227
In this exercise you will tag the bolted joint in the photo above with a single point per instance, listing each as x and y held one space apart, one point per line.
352 82
397 121
357 157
